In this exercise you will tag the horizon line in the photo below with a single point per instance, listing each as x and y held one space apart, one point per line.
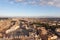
29 16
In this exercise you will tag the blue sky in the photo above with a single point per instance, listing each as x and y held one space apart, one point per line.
12 8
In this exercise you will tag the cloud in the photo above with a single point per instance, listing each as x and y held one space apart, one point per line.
40 2
50 2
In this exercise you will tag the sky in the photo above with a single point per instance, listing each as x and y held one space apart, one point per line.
30 8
